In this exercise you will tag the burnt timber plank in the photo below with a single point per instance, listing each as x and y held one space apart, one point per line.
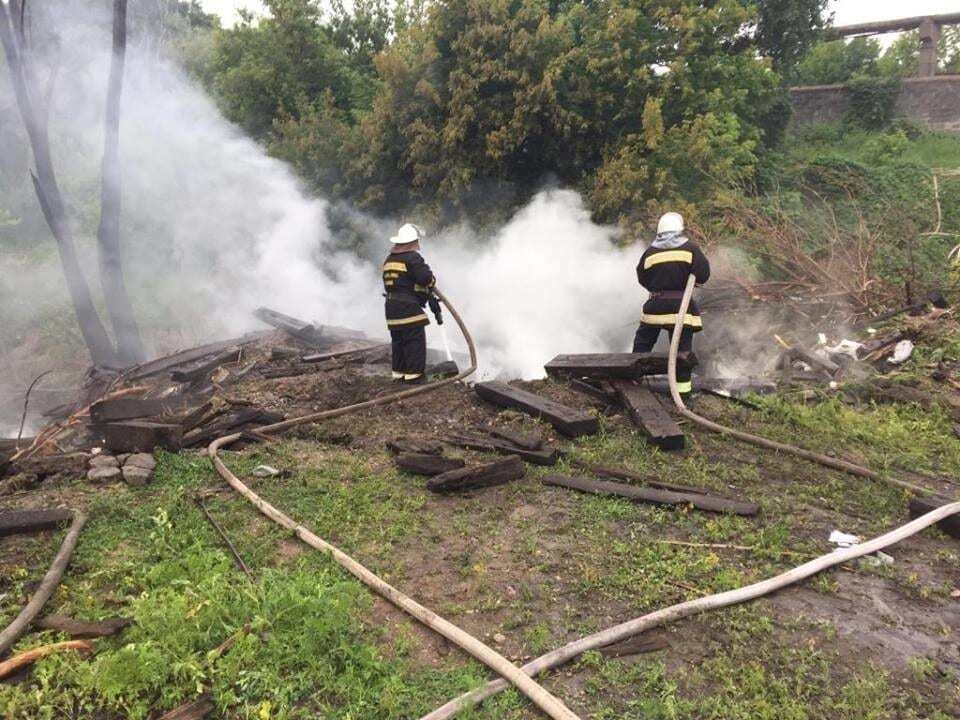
653 495
202 368
305 331
141 436
623 366
194 710
648 414
515 437
24 521
231 422
429 465
922 505
105 411
169 362
546 456
479 476
568 421
83 628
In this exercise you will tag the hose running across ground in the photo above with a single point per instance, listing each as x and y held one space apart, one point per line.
655 619
550 704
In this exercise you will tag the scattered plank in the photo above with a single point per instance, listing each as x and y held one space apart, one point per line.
243 419
922 505
445 369
429 465
18 662
84 629
307 332
653 495
601 391
284 353
515 437
608 366
546 456
568 421
359 352
141 436
25 521
193 710
628 475
412 445
44 466
105 411
648 414
184 357
479 476
202 368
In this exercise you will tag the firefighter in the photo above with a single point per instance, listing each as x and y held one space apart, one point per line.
408 284
663 272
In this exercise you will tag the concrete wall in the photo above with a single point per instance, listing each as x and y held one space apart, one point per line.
933 101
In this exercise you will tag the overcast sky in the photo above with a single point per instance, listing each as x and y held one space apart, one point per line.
846 12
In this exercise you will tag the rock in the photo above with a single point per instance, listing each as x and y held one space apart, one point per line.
140 460
136 476
103 474
499 638
122 458
104 461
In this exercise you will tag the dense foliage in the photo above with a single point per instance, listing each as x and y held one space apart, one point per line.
466 107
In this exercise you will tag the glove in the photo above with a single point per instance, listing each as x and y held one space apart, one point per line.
434 304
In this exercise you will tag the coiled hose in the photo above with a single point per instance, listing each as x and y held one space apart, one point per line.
731 597
550 704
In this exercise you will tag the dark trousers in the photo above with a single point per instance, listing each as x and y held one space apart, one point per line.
409 345
646 338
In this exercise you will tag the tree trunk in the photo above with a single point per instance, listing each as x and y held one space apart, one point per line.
48 194
129 345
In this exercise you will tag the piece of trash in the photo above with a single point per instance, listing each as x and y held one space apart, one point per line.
821 339
263 471
955 593
842 539
871 331
902 351
834 385
846 347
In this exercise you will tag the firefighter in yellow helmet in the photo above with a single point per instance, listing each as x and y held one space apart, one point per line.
663 272
408 286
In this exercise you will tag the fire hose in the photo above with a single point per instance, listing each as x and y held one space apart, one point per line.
672 613
550 704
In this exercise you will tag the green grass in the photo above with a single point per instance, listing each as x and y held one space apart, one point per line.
937 150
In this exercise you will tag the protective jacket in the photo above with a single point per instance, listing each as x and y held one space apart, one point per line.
407 281
663 272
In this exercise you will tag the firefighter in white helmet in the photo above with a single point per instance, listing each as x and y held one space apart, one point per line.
408 286
663 272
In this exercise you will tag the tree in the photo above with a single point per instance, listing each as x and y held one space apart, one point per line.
786 29
838 61
16 47
32 104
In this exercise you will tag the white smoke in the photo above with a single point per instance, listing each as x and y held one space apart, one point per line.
213 227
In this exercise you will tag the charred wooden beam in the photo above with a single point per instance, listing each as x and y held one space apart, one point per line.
415 446
568 421
445 369
479 476
546 456
515 437
105 411
202 368
194 710
922 505
245 418
623 366
307 332
652 495
648 414
428 465
185 357
599 390
13 522
341 354
133 436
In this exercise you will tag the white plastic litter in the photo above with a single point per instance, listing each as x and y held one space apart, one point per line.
842 539
845 347
902 351
263 471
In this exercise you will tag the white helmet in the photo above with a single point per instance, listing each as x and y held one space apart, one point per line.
407 234
670 222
